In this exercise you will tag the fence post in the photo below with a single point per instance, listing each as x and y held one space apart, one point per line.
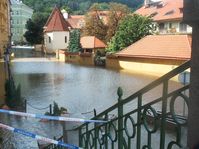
25 105
120 118
50 108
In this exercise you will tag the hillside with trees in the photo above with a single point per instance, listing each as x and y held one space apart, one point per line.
77 6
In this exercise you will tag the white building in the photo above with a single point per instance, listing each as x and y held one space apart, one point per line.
20 15
167 14
56 32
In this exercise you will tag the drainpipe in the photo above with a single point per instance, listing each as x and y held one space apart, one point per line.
191 17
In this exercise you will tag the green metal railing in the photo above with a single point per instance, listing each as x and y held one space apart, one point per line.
143 122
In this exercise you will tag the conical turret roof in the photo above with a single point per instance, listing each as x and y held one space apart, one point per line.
56 22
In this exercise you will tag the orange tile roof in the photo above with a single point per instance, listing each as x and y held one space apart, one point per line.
171 10
56 22
91 42
160 46
76 21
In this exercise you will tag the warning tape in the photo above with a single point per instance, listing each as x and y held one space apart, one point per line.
37 137
56 118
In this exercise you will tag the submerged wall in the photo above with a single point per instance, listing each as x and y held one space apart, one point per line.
156 67
2 82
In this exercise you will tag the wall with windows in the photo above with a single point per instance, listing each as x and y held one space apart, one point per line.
56 40
20 15
173 27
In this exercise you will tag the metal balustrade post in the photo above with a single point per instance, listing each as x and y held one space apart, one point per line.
87 137
80 137
139 121
164 111
96 134
120 118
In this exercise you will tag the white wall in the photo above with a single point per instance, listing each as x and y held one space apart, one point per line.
175 25
57 41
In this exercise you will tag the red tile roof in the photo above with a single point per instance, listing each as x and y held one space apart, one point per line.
56 22
170 10
91 42
76 21
161 47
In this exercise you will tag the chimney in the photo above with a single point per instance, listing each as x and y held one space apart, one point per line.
146 3
65 14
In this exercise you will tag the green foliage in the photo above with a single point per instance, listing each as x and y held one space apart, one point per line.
117 12
131 29
99 6
104 29
74 43
77 6
68 9
34 26
13 95
56 110
94 26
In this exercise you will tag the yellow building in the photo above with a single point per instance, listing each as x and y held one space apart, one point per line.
153 54
4 40
4 24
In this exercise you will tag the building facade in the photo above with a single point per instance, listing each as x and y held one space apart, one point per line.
167 15
56 32
4 24
20 15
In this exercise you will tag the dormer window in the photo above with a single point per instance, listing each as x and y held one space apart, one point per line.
169 12
181 10
153 14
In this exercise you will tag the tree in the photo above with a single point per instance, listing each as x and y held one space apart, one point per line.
131 29
68 9
34 26
74 43
13 99
116 13
94 26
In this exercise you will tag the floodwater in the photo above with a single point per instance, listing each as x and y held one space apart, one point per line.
78 88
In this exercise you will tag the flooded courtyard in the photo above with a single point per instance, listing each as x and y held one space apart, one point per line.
79 89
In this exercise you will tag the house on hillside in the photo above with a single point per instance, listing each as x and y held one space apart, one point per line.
78 21
56 32
91 45
167 14
154 54
75 21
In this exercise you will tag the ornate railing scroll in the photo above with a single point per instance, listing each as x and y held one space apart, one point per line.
150 118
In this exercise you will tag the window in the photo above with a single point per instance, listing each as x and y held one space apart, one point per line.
170 25
183 27
169 12
161 26
153 14
49 39
65 39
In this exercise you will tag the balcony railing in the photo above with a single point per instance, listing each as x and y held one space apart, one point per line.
141 122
